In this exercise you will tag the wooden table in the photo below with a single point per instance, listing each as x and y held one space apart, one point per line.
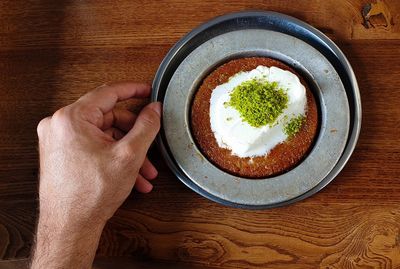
51 52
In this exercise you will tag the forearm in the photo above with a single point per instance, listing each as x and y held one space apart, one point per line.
65 243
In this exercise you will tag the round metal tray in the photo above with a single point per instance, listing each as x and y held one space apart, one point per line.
267 34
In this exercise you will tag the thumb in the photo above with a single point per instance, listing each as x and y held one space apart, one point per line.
145 129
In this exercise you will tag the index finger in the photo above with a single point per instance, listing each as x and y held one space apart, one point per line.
105 97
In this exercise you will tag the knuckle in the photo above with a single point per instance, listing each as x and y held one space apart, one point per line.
151 119
42 126
89 113
62 115
62 123
100 88
126 153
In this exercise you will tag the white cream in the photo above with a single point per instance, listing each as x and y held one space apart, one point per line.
241 138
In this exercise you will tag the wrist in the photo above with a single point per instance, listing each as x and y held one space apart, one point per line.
59 226
72 211
65 242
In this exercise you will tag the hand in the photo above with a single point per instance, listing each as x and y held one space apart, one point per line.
91 156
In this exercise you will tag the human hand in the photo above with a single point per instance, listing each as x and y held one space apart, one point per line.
91 156
88 166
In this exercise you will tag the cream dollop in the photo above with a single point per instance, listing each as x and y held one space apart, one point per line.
242 139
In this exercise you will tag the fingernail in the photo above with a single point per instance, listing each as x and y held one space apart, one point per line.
149 187
157 108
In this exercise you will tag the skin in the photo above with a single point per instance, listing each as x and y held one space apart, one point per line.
91 157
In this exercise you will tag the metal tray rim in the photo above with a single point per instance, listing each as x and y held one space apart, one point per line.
353 136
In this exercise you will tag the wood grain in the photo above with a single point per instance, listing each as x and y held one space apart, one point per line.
113 262
51 52
331 236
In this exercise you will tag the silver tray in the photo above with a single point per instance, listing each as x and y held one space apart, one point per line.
258 34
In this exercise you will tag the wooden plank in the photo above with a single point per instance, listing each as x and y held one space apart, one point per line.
51 53
44 24
303 236
20 264
112 262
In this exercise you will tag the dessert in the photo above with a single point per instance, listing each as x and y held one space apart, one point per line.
254 117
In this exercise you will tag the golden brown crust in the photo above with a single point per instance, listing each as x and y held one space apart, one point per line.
281 158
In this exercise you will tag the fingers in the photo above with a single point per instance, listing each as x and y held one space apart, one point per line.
120 118
145 129
105 97
148 170
142 185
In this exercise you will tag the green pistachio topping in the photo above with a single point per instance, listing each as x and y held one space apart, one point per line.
294 125
258 102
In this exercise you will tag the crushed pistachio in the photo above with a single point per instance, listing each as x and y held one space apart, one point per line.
294 126
258 102
229 118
